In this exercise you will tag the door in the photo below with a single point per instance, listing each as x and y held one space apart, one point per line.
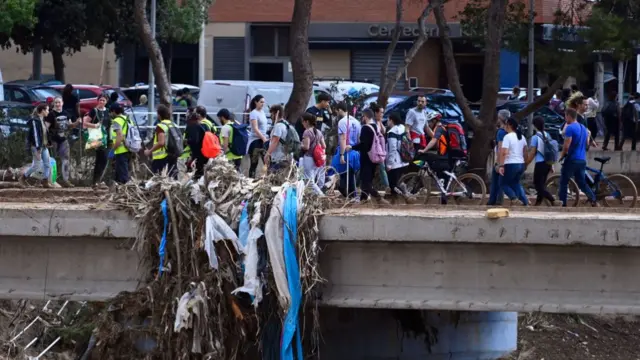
287 72
366 65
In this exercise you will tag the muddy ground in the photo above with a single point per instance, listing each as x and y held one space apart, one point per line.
577 337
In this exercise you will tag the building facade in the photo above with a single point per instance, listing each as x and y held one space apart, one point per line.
248 39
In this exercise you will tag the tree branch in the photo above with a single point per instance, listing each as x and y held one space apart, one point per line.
383 96
542 100
301 62
450 64
155 55
391 80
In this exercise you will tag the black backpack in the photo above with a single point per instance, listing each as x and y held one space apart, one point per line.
629 112
174 141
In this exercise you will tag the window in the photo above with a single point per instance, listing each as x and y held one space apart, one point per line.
263 41
43 94
283 40
86 94
19 96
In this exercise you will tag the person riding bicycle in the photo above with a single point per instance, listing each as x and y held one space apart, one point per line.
449 144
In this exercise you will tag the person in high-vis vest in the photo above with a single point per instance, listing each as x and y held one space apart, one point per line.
119 129
161 159
199 115
226 137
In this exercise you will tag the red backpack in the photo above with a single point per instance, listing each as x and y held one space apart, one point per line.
319 154
450 142
210 145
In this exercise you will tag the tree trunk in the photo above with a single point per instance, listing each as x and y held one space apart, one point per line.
153 49
388 81
58 63
301 62
485 124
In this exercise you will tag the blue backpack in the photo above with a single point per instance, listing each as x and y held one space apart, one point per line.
239 139
549 147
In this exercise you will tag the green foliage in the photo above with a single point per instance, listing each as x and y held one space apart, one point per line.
615 27
580 30
182 21
16 12
473 20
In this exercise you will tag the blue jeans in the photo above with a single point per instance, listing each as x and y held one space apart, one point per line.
511 182
122 168
496 195
45 161
577 170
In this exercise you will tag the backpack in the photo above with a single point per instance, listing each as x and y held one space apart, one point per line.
450 142
550 149
319 154
239 139
629 112
378 152
210 145
407 150
174 141
132 140
292 139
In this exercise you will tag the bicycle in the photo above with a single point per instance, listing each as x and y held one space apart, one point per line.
606 188
462 187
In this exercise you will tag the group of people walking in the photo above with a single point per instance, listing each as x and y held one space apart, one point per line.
514 154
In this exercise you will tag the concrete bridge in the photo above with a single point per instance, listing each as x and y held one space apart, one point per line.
437 258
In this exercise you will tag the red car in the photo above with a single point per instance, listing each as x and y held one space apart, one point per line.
88 95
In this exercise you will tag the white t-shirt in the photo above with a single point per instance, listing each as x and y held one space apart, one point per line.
516 148
354 129
280 130
261 118
417 119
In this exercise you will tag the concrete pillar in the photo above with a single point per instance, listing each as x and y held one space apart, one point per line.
509 69
378 333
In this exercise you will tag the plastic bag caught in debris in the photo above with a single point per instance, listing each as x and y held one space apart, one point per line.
274 236
216 229
252 285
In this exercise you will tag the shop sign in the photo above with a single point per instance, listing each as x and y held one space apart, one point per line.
387 31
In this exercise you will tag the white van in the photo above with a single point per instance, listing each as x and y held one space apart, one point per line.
236 95
339 88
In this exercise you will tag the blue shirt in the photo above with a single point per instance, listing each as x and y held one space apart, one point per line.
538 144
578 148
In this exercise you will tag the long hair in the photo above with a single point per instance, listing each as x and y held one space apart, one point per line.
256 99
39 109
513 124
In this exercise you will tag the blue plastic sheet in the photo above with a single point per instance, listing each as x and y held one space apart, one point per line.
163 242
244 227
291 325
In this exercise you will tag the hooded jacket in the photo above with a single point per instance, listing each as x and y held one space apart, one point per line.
393 160
37 133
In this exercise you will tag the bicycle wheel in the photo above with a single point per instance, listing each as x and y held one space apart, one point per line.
415 185
471 189
619 188
573 192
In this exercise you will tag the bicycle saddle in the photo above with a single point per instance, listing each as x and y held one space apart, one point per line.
603 160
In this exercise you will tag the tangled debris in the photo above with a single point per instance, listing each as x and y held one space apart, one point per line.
212 292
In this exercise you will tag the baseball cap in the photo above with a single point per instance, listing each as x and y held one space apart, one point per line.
115 107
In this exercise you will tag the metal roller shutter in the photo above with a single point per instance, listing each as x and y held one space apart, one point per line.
367 64
228 58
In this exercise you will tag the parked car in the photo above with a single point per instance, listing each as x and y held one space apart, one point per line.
552 120
29 94
88 95
429 90
134 92
446 105
14 116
